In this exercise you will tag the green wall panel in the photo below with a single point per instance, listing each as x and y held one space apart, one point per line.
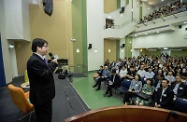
79 28
128 46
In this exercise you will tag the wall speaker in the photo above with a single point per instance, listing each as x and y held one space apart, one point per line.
123 45
180 26
90 46
122 9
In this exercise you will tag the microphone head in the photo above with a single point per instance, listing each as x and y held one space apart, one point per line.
50 54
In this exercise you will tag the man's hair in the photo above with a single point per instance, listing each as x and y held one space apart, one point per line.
38 42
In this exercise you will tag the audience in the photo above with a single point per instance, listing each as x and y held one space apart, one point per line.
105 76
113 82
135 87
167 10
148 89
165 79
164 96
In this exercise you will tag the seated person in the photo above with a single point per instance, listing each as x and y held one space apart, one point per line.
184 78
105 75
131 73
147 89
142 72
114 81
179 88
164 96
135 87
158 81
123 73
149 74
99 73
170 77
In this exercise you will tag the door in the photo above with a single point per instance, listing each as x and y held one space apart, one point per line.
2 73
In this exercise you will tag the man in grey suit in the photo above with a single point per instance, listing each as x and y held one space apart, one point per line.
42 89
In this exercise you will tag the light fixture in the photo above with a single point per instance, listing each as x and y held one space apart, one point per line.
121 15
109 50
165 48
131 50
95 50
77 50
148 8
162 0
158 32
109 17
185 22
145 33
122 50
141 50
132 9
11 46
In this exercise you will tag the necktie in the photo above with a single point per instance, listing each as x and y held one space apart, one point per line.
45 61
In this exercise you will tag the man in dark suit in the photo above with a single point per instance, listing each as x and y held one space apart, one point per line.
42 89
164 96
114 81
178 87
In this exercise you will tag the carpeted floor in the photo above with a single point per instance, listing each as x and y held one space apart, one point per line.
66 103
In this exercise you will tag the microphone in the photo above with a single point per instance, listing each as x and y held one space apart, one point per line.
53 56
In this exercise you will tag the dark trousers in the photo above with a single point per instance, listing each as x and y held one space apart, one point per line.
44 112
109 89
128 95
99 82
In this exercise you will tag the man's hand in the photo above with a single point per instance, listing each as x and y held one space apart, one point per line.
55 61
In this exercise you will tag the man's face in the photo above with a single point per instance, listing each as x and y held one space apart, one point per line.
164 83
43 50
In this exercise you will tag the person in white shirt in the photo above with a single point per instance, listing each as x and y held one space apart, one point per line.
149 74
123 72
170 77
141 71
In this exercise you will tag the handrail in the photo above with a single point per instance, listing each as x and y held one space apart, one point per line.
123 24
129 114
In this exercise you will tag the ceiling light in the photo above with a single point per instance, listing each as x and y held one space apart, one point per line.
132 9
162 0
165 48
145 33
185 22
158 31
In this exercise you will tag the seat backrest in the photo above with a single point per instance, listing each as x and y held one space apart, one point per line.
19 98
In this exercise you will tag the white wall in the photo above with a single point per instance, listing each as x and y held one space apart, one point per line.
5 50
95 30
123 3
136 10
167 39
118 18
145 10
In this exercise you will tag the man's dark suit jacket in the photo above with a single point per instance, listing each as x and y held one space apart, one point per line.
41 80
181 92
167 98
116 80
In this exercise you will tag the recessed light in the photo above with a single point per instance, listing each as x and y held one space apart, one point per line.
162 0
145 33
165 48
158 31
132 9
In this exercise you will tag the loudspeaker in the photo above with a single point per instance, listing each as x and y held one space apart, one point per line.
180 26
90 46
122 9
123 45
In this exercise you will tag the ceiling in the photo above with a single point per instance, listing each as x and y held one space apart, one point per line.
158 2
